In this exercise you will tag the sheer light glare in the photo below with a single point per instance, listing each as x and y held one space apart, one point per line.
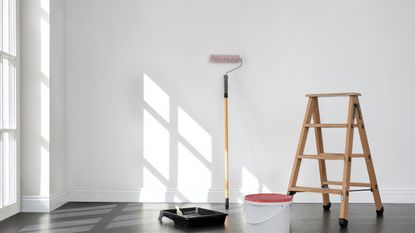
8 155
6 168
8 101
6 25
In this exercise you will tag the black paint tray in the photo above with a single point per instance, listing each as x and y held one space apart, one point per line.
194 217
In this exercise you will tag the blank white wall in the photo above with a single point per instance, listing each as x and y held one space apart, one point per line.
144 114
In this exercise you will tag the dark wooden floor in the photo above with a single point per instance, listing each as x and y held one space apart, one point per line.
137 217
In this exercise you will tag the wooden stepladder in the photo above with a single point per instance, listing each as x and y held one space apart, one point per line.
354 120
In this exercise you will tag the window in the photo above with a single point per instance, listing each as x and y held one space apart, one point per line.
8 127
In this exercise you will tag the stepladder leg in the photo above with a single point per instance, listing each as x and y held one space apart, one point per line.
294 175
344 210
323 178
374 186
368 159
344 206
320 150
301 145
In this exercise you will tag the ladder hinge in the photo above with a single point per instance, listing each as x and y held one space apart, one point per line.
350 159
369 156
325 186
342 196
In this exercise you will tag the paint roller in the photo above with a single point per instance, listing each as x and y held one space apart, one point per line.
222 58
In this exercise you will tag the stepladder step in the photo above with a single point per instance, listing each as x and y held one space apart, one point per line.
327 125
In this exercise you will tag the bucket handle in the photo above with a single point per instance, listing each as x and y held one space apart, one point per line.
267 218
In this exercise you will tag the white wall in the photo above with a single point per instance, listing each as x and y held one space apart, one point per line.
43 104
58 177
144 113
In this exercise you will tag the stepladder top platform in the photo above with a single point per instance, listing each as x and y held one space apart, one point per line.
333 94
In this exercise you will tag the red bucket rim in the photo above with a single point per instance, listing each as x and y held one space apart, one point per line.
268 198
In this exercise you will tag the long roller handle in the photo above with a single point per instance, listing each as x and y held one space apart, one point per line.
225 78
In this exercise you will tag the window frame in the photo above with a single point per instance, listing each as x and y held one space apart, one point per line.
8 209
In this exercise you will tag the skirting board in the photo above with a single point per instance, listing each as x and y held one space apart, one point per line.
396 195
9 211
49 203
43 204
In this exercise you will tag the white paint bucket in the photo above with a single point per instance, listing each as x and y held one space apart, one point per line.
267 213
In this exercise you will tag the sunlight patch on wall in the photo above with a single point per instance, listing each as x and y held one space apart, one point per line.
192 173
44 172
44 99
177 199
156 98
156 145
44 111
45 5
44 47
151 181
249 180
194 134
44 132
154 190
265 189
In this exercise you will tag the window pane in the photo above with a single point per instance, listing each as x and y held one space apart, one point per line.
8 94
8 146
9 26
1 171
1 92
8 156
1 25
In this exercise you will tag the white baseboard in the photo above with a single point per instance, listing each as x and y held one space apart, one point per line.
81 194
9 211
49 203
43 204
142 195
35 204
58 199
150 195
104 195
